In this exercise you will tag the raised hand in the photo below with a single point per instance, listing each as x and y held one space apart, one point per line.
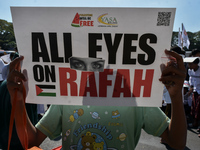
15 79
173 72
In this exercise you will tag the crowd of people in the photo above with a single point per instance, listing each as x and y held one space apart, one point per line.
191 89
92 127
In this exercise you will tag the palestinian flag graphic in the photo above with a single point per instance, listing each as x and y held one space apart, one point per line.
45 90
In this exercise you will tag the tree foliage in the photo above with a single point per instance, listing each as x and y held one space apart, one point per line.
7 37
193 37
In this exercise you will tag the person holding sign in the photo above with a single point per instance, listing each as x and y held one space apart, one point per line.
107 127
5 113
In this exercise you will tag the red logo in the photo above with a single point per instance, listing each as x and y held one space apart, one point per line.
81 20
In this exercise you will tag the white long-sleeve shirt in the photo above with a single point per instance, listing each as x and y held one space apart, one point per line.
1 66
194 79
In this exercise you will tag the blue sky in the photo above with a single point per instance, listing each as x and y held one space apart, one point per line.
187 11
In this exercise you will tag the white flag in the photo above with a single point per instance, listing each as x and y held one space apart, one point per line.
186 41
180 40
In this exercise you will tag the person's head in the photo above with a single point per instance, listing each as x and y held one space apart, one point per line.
15 49
195 53
194 65
178 50
11 56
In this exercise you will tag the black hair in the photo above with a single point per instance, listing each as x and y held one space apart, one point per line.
177 50
195 51
196 61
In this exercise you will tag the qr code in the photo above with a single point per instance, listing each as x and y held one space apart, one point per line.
163 18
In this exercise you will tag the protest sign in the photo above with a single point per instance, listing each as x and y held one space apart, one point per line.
129 40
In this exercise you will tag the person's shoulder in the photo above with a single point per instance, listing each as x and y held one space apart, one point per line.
190 72
3 85
1 62
151 109
4 94
198 70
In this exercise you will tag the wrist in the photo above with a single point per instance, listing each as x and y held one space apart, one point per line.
177 98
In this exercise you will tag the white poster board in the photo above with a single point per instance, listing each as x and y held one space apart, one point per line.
130 40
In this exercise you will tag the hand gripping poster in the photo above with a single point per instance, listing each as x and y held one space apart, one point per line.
93 56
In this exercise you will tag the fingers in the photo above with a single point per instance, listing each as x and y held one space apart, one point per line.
173 79
179 68
13 74
14 68
15 64
179 59
15 77
14 85
174 72
14 80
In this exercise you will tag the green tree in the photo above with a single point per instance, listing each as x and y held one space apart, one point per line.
193 37
7 37
174 41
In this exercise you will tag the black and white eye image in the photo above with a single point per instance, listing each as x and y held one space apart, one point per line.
77 64
87 64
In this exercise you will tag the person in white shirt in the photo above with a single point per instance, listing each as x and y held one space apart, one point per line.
194 80
1 66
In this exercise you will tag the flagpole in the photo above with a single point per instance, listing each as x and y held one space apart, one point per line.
182 38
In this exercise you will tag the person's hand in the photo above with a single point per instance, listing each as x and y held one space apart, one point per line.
174 74
15 79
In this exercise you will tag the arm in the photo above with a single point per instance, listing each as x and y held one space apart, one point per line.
15 82
175 134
